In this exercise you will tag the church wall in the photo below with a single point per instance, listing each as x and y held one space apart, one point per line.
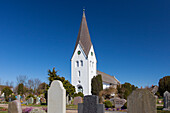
83 71
92 66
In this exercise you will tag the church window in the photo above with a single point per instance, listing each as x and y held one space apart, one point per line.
79 52
77 63
79 74
79 81
79 88
90 63
91 53
81 62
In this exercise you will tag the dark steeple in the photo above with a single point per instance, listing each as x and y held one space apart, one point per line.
83 37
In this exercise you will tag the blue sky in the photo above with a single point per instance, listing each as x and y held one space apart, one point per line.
131 38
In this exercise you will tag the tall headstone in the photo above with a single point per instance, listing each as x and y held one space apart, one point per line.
90 105
56 98
166 101
141 101
15 107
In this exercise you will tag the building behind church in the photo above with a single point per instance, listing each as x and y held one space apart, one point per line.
84 63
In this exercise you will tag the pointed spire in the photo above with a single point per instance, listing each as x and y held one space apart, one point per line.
84 13
83 37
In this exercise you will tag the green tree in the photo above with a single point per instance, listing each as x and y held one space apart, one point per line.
21 89
96 85
70 89
164 85
124 90
7 91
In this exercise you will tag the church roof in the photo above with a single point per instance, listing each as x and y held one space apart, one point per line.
108 78
83 37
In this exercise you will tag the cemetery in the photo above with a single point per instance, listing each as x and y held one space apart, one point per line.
141 100
85 89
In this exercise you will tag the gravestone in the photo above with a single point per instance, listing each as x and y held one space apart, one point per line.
14 107
31 100
141 101
18 97
38 100
166 101
119 102
56 98
77 100
90 105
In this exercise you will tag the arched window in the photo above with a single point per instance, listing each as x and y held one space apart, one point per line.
81 62
79 88
79 81
77 63
79 73
90 63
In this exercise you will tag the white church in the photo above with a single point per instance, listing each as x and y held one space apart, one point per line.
84 63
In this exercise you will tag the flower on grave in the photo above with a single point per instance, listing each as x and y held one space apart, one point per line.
27 110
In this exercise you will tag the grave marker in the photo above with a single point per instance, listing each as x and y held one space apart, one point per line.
141 101
90 105
56 98
14 107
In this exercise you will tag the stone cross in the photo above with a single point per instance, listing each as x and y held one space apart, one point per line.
14 107
90 105
166 101
56 98
141 101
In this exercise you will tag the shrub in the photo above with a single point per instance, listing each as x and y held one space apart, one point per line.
78 94
124 106
107 104
31 95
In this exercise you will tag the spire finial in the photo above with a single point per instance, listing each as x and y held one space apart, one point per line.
83 12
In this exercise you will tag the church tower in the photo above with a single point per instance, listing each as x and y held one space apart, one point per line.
83 61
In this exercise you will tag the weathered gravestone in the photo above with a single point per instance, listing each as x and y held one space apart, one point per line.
14 107
56 98
119 102
166 101
90 105
31 100
141 101
77 100
38 100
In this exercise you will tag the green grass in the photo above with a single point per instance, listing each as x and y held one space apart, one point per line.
160 111
36 105
71 107
3 111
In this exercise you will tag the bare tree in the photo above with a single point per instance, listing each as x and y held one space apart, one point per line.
30 84
37 82
7 83
11 84
22 79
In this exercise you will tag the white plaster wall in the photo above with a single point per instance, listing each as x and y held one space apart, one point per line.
84 70
87 71
91 68
105 85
